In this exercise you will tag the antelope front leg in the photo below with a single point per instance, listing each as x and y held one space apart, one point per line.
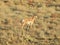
31 26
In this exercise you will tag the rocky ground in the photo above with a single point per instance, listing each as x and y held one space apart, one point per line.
45 30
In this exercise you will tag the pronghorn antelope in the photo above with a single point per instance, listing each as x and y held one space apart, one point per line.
28 21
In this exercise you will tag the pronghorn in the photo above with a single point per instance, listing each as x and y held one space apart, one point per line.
28 21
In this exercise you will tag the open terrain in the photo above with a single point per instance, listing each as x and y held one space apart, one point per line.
45 29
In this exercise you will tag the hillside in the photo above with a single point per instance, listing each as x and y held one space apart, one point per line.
45 29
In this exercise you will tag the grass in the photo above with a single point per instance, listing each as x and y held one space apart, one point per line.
45 30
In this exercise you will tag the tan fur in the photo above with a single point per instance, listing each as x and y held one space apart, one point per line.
28 21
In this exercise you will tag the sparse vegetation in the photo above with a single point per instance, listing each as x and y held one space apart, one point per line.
45 29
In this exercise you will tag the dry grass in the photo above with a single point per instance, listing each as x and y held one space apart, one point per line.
45 30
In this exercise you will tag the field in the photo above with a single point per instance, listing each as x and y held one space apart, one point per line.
45 29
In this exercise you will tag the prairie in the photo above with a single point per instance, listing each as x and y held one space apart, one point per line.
45 29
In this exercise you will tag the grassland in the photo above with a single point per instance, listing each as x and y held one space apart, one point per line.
45 30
